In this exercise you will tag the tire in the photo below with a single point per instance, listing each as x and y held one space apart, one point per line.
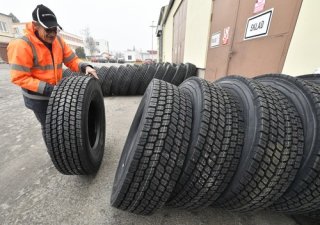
191 71
146 79
168 75
303 195
66 73
215 145
117 81
179 75
261 177
102 73
159 72
155 150
314 78
109 80
137 79
75 126
126 80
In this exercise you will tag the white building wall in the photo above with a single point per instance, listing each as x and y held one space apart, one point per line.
131 56
6 30
197 32
303 53
102 45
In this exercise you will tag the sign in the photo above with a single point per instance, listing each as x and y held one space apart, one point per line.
215 39
225 38
258 26
259 6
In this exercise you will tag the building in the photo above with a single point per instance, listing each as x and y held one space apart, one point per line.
102 46
183 31
132 56
74 41
6 35
248 38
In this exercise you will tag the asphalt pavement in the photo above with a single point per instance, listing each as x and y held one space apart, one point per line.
32 191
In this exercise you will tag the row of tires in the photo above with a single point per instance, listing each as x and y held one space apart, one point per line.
240 144
133 80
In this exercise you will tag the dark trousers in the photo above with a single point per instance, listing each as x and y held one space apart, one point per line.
39 107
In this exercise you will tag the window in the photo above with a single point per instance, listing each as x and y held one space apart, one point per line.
129 57
16 30
3 27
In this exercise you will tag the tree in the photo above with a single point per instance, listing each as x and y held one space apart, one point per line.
89 42
80 53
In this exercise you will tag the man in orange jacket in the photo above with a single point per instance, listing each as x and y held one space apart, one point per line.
36 61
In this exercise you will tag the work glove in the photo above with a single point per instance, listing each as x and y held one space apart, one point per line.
48 89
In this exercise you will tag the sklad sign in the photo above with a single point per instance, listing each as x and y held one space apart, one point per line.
258 25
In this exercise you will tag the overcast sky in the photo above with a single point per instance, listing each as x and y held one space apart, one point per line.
124 23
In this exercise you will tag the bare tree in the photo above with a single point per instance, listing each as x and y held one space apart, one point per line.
89 41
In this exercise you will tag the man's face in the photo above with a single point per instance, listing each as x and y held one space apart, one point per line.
47 35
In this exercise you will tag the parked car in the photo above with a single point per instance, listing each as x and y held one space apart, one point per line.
102 60
112 60
148 61
121 60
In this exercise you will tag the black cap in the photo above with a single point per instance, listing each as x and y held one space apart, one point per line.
45 17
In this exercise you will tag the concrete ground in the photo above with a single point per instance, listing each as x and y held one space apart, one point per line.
32 191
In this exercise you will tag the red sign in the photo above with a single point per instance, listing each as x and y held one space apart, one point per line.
225 38
259 6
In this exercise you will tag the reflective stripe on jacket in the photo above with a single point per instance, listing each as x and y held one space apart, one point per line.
31 61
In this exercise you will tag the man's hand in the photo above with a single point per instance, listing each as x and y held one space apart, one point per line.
91 71
48 89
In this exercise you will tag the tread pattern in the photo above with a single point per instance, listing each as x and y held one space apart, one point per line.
159 149
64 138
303 195
262 179
215 146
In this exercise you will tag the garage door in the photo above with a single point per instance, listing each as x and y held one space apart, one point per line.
179 32
254 36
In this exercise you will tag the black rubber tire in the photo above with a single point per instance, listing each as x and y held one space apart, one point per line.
108 79
179 75
191 70
126 80
102 73
168 75
314 78
75 126
117 81
159 72
261 177
304 193
146 79
66 73
215 145
137 80
155 150
314 215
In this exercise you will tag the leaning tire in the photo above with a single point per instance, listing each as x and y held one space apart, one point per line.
314 78
215 145
155 150
75 126
263 173
303 195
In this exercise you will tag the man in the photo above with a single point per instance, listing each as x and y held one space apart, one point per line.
36 61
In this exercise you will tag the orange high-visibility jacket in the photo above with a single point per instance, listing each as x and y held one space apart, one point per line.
32 65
